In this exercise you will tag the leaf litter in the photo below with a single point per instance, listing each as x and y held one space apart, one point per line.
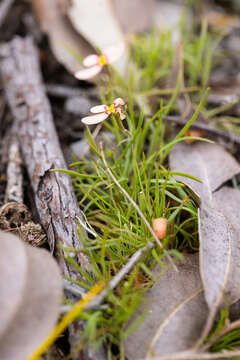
168 329
175 312
213 166
31 289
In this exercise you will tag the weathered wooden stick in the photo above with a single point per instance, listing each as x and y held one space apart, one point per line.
54 196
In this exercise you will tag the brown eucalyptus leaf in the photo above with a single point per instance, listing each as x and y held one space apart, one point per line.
37 311
208 162
66 44
175 311
96 22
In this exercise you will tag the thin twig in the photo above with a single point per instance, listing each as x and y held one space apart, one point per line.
135 206
224 331
197 356
73 289
206 127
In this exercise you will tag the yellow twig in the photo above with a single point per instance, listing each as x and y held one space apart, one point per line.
66 320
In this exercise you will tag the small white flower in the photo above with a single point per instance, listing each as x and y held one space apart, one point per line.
103 111
95 63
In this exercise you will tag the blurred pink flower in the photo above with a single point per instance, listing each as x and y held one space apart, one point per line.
95 63
103 111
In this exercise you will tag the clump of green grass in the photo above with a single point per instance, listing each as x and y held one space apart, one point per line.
120 230
138 160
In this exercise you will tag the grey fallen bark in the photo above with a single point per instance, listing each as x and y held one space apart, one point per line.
14 215
54 196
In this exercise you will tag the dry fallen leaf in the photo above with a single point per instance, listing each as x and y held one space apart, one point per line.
175 313
218 239
30 287
75 28
13 271
96 22
65 43
227 200
208 162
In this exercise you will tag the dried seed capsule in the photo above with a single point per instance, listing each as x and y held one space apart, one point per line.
160 227
197 133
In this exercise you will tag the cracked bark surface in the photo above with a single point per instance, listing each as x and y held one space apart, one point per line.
55 200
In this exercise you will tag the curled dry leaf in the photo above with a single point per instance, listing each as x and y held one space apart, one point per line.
208 162
30 287
65 43
218 238
96 22
75 27
175 313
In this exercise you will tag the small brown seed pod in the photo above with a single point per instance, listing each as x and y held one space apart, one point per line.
160 227
196 133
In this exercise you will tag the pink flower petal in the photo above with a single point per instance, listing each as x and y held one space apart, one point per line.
114 52
122 116
119 102
88 73
91 60
98 109
94 119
